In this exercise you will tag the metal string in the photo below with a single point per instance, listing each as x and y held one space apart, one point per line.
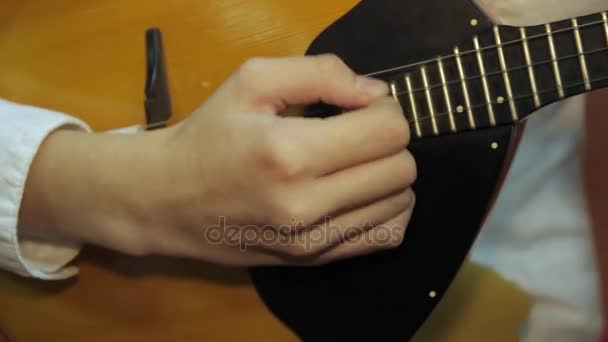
514 98
463 53
522 67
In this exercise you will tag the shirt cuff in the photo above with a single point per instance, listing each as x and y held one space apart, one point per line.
22 131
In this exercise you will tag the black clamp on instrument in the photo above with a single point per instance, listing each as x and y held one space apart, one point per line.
157 95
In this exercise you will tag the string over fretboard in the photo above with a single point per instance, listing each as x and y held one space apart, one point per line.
503 75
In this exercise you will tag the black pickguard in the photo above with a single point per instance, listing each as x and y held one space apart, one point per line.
385 296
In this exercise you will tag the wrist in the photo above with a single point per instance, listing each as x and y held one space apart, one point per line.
91 189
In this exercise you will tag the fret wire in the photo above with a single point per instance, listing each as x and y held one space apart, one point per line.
484 82
526 48
472 78
563 58
463 53
580 49
605 20
429 100
446 94
520 97
408 83
556 70
465 89
505 73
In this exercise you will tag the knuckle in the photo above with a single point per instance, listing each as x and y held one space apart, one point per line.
411 198
397 128
391 234
398 133
395 233
407 167
252 65
401 223
389 245
298 250
288 215
397 239
406 199
329 64
411 206
250 70
277 155
392 106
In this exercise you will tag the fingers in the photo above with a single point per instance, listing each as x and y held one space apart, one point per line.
334 230
383 237
378 226
271 84
363 184
356 137
300 203
314 148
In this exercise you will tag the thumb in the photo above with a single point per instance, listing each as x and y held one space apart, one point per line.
272 84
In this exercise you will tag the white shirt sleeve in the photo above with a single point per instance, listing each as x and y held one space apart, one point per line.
22 131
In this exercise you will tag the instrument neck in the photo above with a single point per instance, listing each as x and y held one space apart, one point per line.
503 76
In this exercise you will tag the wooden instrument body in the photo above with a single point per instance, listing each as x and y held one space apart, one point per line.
390 294
87 59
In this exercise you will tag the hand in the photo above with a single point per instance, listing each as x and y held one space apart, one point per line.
237 183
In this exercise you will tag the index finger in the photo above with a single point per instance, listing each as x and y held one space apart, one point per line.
356 137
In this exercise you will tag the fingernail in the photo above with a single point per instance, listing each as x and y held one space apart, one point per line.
372 86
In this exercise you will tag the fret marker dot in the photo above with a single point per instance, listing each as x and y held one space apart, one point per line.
495 146
474 22
500 99
460 109
433 294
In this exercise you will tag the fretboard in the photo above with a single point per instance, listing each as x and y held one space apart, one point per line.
504 75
